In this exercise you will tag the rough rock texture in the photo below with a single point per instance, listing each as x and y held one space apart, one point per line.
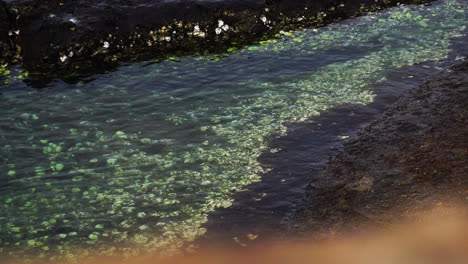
6 48
70 32
412 158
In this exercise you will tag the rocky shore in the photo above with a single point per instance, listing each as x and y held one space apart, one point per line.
76 35
414 157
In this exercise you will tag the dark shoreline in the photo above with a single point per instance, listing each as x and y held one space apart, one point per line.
72 36
282 212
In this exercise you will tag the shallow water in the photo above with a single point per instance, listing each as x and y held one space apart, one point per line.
134 160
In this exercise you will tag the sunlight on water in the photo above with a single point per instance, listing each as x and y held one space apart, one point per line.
134 160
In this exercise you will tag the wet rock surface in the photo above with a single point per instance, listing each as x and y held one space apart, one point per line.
79 34
412 158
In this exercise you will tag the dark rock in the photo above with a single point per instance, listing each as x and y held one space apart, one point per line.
83 33
412 158
6 49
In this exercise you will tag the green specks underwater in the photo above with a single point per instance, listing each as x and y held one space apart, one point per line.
58 167
94 236
111 161
134 160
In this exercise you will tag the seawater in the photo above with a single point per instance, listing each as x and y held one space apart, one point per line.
134 160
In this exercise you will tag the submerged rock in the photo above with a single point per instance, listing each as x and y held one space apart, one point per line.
69 32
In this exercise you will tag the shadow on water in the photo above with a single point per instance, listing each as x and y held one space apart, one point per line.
260 213
287 64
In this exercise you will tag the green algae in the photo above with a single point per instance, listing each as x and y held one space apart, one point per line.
4 70
117 181
9 74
